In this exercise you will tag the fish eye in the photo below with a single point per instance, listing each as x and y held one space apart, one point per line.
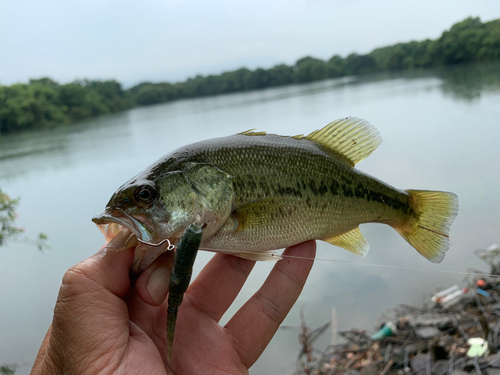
145 193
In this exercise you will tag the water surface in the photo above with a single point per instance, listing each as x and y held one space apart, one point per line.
440 132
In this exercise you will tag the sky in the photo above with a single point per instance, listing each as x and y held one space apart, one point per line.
171 40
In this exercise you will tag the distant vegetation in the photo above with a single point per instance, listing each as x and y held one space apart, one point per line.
43 102
9 231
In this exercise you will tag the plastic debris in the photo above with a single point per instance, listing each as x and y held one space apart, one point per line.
454 335
478 347
388 329
484 293
439 296
453 298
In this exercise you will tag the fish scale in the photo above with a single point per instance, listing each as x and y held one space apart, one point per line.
301 184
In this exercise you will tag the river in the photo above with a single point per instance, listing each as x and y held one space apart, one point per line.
440 130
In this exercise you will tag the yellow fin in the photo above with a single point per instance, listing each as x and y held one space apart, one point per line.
251 132
263 256
428 229
267 255
351 137
352 241
258 213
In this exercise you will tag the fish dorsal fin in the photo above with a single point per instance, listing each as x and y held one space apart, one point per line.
351 137
251 132
352 241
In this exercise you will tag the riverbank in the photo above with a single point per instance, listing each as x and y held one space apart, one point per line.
456 331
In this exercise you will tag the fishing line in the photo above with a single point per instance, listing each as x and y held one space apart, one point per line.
388 266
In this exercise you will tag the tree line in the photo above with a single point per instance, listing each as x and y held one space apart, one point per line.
43 102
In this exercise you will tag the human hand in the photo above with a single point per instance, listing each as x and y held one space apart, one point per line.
104 324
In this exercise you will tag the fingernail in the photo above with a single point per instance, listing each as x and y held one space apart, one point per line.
158 284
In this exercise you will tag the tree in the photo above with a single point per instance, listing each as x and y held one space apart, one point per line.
462 42
24 107
335 67
359 64
258 79
309 69
8 230
280 75
490 47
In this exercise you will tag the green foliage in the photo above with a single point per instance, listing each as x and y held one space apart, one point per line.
8 230
359 64
281 75
43 102
8 369
462 42
7 217
335 67
258 79
23 107
309 69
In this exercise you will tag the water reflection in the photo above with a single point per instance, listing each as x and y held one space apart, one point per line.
61 147
468 82
54 148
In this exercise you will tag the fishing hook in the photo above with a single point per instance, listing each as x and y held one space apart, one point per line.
170 246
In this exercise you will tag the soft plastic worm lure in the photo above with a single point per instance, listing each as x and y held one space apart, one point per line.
181 276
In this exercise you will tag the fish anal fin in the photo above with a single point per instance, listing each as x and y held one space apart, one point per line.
352 241
267 255
351 137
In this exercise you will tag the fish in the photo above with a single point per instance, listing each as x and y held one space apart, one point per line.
254 193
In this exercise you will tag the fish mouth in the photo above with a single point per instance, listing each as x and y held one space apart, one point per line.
110 223
123 231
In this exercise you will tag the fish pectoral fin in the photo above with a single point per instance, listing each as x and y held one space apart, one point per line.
350 137
352 241
258 213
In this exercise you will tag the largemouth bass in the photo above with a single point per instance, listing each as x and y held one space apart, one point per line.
253 193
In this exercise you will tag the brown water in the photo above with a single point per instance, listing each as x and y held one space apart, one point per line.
441 131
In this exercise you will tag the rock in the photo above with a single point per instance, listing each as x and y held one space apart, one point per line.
419 364
352 372
493 360
440 367
371 369
428 332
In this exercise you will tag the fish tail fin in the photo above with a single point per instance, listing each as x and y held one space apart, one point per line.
429 227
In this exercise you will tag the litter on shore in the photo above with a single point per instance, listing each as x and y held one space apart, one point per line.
457 333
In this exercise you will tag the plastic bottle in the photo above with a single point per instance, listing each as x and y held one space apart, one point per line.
452 298
438 296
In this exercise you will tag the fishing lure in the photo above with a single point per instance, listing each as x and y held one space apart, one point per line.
181 277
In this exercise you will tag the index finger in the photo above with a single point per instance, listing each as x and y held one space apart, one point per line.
254 325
